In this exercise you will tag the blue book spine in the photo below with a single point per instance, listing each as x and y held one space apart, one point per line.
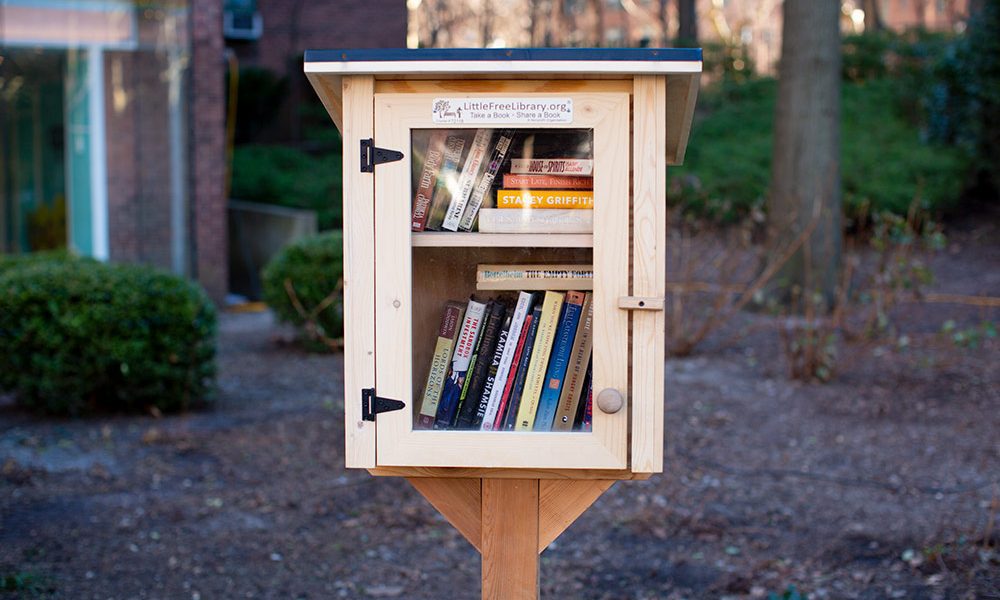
548 402
522 370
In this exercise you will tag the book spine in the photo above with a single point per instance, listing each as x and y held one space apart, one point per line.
515 365
553 220
465 344
491 331
468 221
519 273
548 400
477 152
491 376
450 318
510 420
446 183
545 199
552 166
506 357
576 371
548 182
539 360
428 179
585 409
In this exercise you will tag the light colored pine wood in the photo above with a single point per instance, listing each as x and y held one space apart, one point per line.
682 91
459 500
505 86
359 269
649 271
501 473
510 539
560 503
642 302
330 90
442 239
398 444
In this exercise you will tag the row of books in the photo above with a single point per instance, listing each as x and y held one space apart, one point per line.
457 189
521 368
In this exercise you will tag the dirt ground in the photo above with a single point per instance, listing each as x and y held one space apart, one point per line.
884 483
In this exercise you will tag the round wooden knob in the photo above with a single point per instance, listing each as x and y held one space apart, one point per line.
610 401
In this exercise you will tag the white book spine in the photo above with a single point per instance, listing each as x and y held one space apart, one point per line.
553 220
466 341
552 166
480 144
503 370
486 181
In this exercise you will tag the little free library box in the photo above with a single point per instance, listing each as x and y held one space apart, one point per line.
504 243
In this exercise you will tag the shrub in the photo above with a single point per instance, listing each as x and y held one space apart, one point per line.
79 336
289 177
312 268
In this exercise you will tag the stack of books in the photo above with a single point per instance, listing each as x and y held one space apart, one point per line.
512 366
480 180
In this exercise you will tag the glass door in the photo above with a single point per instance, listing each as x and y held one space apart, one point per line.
501 252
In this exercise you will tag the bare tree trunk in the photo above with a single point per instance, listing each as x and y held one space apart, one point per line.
804 202
556 25
598 6
687 22
873 16
664 15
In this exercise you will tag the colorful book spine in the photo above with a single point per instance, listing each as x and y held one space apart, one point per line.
491 376
548 182
466 182
562 346
576 370
515 365
558 220
545 199
450 319
471 214
552 166
465 344
496 312
535 378
506 358
510 419
489 275
447 183
587 403
428 178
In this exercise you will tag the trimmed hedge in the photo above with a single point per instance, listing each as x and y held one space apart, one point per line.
314 267
79 336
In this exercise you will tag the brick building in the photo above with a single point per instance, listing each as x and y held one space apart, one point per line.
112 132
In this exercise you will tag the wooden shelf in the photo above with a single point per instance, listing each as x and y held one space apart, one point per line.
444 239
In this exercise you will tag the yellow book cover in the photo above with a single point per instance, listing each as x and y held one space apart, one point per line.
535 377
545 199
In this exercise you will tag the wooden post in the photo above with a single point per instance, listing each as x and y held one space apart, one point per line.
510 539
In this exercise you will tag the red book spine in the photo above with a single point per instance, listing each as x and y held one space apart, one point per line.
548 182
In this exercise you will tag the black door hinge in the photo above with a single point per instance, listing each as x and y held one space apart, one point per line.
372 155
372 405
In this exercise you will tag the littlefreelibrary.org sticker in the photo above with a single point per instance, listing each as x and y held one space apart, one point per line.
502 110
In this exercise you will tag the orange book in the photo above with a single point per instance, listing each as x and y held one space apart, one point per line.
545 199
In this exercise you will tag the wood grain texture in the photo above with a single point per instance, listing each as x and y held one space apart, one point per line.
472 472
502 240
459 500
649 271
329 88
560 503
510 539
359 269
682 92
506 86
642 302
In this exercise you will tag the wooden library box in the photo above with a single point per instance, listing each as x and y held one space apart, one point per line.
504 265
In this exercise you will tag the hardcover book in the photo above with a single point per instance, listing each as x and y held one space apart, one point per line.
510 419
495 313
491 376
471 216
576 370
465 344
450 319
505 400
585 411
548 182
545 199
506 358
470 173
534 277
447 182
548 400
535 377
428 178
553 166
